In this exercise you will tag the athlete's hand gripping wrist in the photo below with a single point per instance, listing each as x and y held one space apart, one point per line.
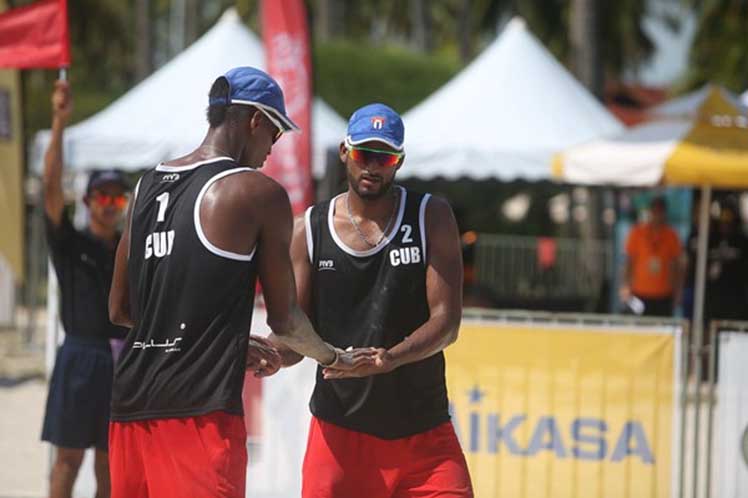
262 357
350 358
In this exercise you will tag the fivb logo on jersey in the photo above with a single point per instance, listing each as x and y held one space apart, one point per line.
170 178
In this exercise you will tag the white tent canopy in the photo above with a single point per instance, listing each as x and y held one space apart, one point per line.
164 116
504 116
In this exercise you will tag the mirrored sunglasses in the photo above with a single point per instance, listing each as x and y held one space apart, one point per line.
365 155
106 200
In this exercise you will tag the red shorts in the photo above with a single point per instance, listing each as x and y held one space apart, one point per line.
340 463
204 456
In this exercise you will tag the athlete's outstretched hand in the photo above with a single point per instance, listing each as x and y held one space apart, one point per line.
378 361
351 359
262 357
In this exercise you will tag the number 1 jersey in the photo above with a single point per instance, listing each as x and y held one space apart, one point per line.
191 302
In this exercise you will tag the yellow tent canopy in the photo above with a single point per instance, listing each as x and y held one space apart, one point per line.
708 147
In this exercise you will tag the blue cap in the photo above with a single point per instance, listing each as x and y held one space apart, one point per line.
250 86
376 123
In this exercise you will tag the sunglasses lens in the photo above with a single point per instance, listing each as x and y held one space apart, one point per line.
388 160
357 155
366 156
118 201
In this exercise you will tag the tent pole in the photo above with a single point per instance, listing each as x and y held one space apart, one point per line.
698 321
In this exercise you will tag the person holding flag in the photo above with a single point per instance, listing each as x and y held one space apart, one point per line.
77 412
77 409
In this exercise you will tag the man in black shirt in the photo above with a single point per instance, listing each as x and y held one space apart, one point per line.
201 229
77 413
380 266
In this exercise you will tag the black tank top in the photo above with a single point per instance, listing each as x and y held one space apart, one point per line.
375 298
191 303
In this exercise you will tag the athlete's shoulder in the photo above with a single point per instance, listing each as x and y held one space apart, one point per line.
437 209
248 186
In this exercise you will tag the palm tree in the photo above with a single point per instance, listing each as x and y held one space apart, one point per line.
719 52
611 38
143 60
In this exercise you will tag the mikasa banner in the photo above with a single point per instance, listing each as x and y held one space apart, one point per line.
731 468
567 411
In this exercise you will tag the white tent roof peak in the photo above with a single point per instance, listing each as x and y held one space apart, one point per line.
504 115
163 116
230 15
517 22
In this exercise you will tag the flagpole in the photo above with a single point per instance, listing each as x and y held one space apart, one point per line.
63 74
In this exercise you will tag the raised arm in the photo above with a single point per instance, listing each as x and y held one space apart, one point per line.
444 294
62 106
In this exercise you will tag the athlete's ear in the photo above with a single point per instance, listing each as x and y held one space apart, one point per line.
255 121
343 153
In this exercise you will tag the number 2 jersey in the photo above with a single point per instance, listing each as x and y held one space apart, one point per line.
191 303
375 298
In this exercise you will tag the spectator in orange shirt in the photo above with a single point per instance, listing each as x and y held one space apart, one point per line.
653 270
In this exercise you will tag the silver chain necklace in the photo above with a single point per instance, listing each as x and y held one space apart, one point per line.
358 228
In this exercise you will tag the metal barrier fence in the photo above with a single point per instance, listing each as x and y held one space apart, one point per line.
708 351
543 269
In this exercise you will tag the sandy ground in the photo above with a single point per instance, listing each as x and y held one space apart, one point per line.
24 457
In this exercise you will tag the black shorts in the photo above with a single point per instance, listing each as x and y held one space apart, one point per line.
80 392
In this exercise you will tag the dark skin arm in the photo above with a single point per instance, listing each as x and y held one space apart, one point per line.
302 272
290 325
119 293
62 107
444 295
247 209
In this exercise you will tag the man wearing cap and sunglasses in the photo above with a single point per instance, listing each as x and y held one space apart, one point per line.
380 266
77 411
200 230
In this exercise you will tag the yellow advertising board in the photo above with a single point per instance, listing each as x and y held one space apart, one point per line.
565 411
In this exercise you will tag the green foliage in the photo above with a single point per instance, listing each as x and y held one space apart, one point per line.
348 75
719 52
624 43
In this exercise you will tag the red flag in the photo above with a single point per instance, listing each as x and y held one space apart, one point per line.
286 37
35 36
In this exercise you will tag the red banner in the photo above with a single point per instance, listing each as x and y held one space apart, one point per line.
286 37
35 36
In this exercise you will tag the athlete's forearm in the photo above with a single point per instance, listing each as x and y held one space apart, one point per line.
433 336
298 334
289 357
